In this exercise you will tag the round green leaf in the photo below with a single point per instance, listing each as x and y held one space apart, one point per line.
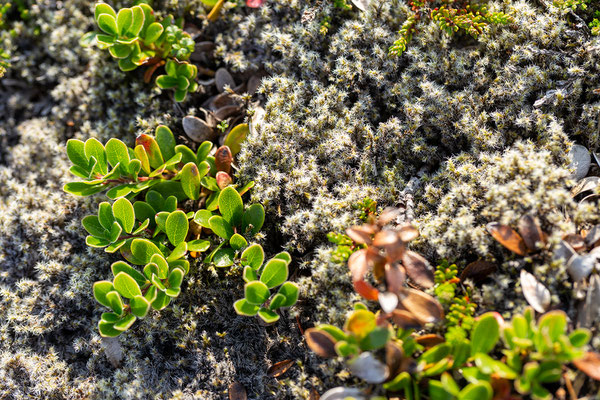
108 24
115 302
199 245
117 153
201 218
175 278
165 140
153 32
138 21
143 250
177 227
139 306
249 274
190 180
76 153
224 257
124 214
253 256
126 285
93 148
178 252
476 391
161 301
277 301
121 266
290 291
231 206
124 323
161 264
253 219
485 334
236 137
238 242
268 316
101 289
242 307
124 20
91 223
220 227
256 292
274 273
103 8
107 329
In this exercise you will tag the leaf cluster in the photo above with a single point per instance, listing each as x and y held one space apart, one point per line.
135 38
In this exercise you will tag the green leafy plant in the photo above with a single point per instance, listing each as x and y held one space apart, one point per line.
134 37
153 232
261 280
467 16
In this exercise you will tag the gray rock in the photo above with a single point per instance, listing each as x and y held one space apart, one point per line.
580 161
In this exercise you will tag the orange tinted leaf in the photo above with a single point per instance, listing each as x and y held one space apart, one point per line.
422 306
280 368
223 159
358 265
361 233
393 357
576 241
408 232
429 340
394 277
360 323
365 290
507 237
388 215
405 320
314 395
590 365
530 231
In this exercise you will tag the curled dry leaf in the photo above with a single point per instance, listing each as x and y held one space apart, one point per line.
586 184
536 294
417 268
237 391
422 306
507 237
531 232
223 179
367 367
589 364
478 270
429 340
322 343
360 233
280 368
314 395
405 320
593 236
564 251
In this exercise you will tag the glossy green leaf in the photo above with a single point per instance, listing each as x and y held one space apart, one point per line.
121 266
105 215
256 292
238 242
161 301
142 156
175 278
210 183
198 245
580 337
152 149
236 137
115 302
126 285
120 191
124 20
76 153
101 289
184 265
253 219
124 213
93 148
116 153
203 151
125 64
285 256
274 273
166 82
82 189
437 391
231 206
115 232
249 274
108 24
107 329
91 223
152 269
103 8
153 32
79 172
485 334
144 211
115 246
553 324
253 256
276 301
220 227
138 21
143 250
268 316
120 50
290 291
141 227
178 252
202 217
190 180
139 306
177 227
488 365
166 141
125 323
96 242
224 257
476 391
242 307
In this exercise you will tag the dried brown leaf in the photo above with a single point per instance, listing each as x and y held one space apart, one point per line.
223 159
314 395
593 236
386 237
590 365
507 237
530 232
575 241
358 264
361 233
365 290
405 319
394 277
280 368
478 270
320 342
408 232
417 268
429 340
422 306
536 294
237 391
388 215
393 357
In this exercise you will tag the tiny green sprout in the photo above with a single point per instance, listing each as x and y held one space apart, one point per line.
134 37
261 280
223 125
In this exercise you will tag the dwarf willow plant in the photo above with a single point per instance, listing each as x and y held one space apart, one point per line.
135 38
153 234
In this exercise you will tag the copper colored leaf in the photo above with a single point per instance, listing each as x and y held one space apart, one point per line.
393 357
388 215
358 265
237 391
417 268
405 320
429 340
590 365
478 270
530 231
280 368
507 237
223 159
385 238
408 232
376 262
320 342
394 277
536 294
365 290
422 306
223 179
361 233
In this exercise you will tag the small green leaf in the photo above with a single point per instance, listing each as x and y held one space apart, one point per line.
139 306
285 256
101 289
124 20
120 50
115 302
203 151
180 95
108 24
121 266
124 214
141 227
119 191
199 245
485 334
236 137
166 141
162 300
231 206
126 285
116 153
210 183
274 273
290 291
220 227
153 32
125 323
162 265
93 148
125 64
190 180
144 249
105 215
253 219
76 153
256 292
152 269
166 82
580 337
115 232
151 294
476 391
115 246
103 8
276 301
268 316
138 21
106 329
175 278
489 366
91 223
184 265
177 227
142 156
253 256
249 274
152 149
238 242
96 242
224 257
82 188
242 307
178 252
201 218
